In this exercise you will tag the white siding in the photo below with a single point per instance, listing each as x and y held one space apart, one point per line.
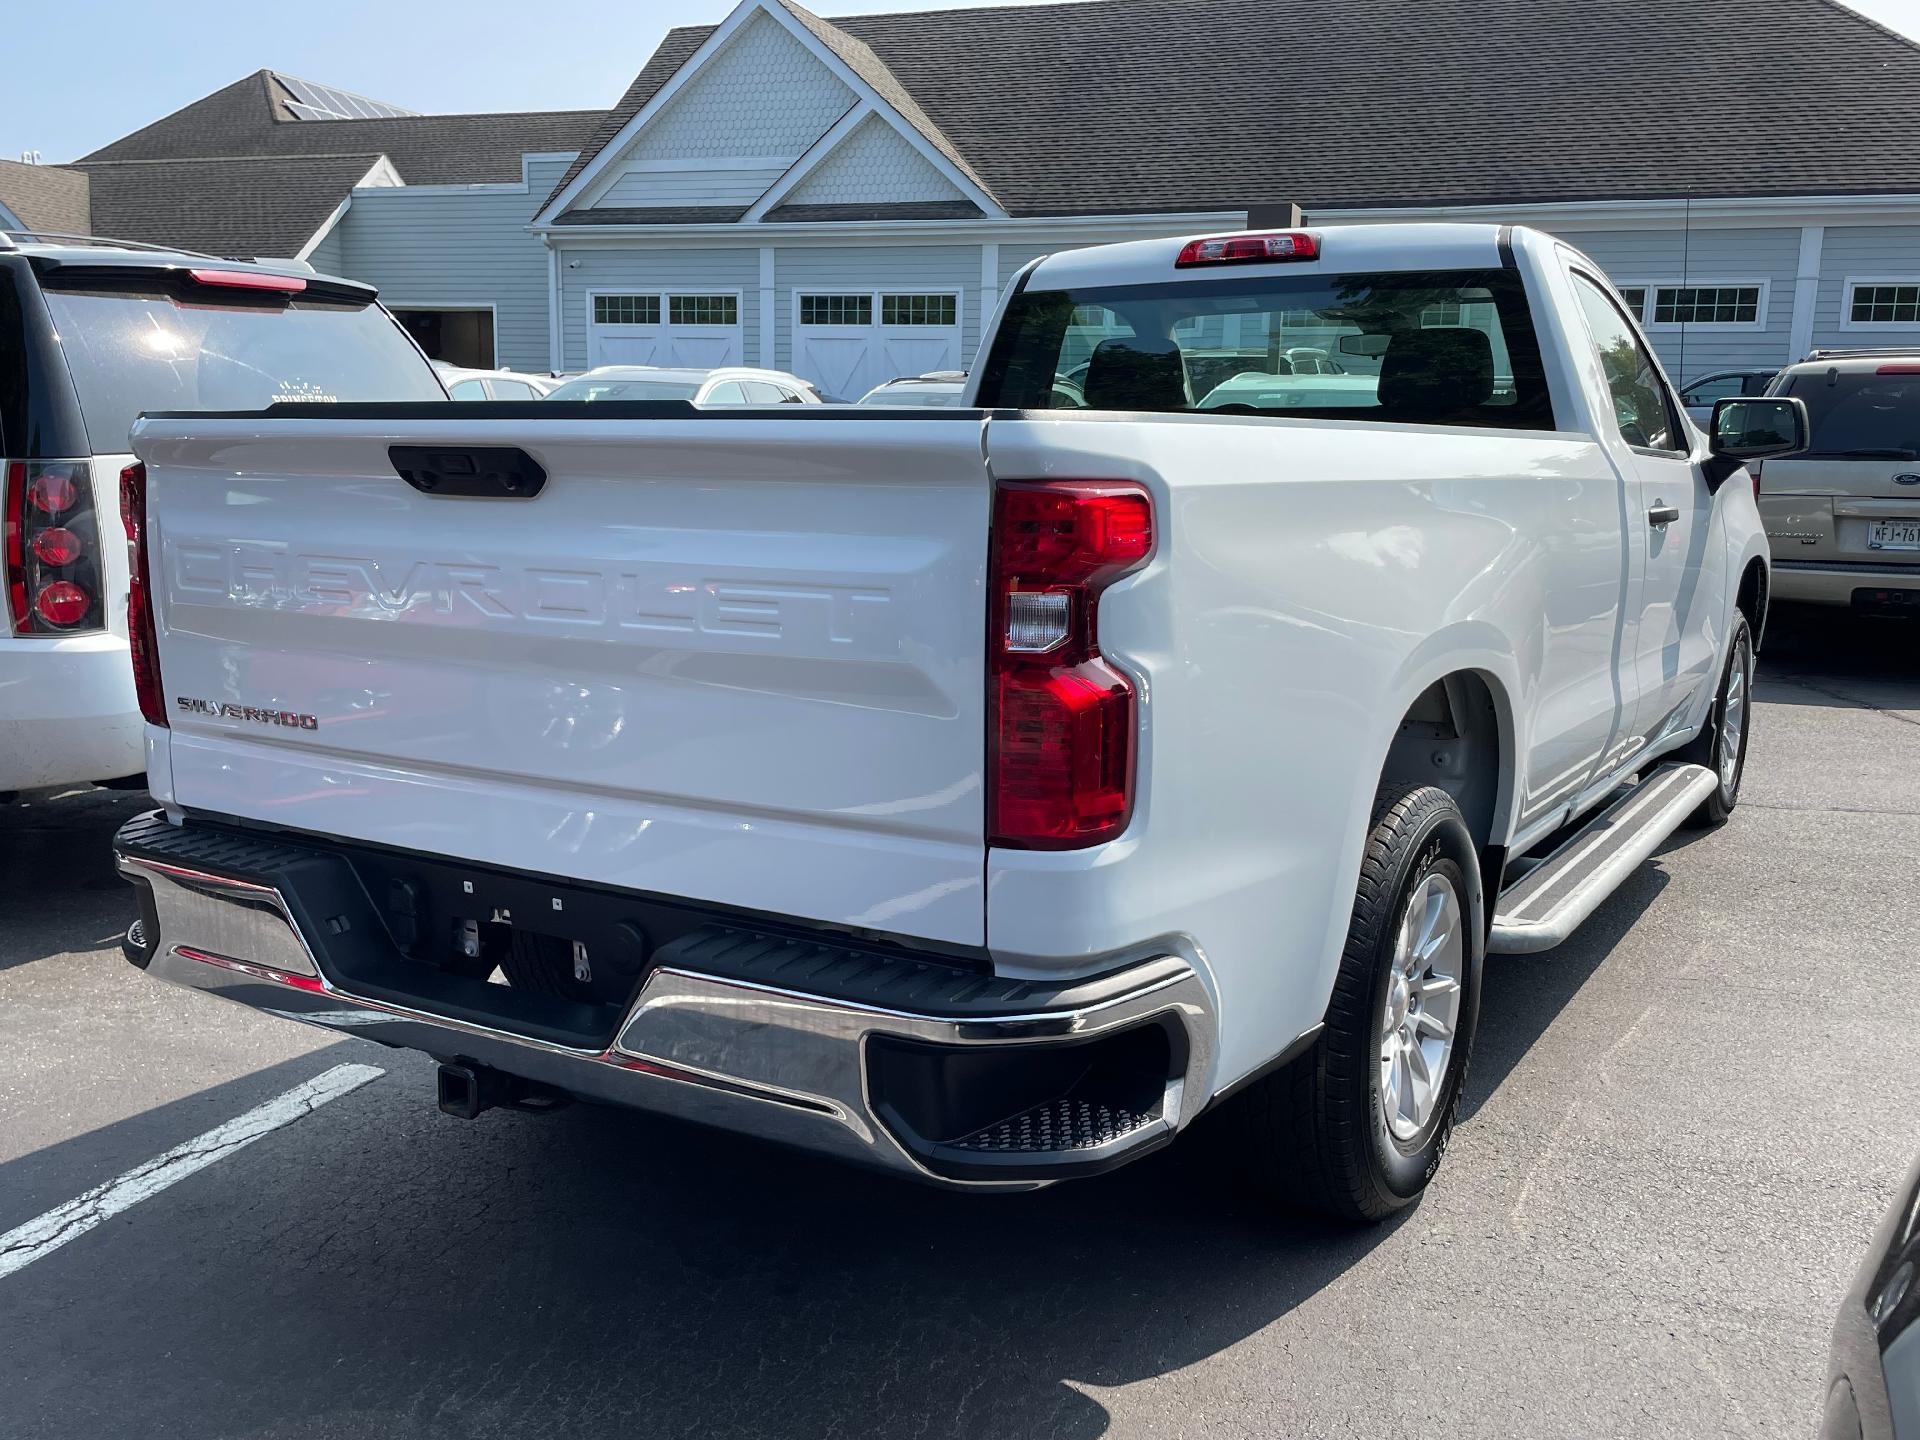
1709 255
873 165
754 107
451 246
714 270
1863 252
718 184
829 268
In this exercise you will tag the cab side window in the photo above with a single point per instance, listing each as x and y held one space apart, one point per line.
1640 405
1715 387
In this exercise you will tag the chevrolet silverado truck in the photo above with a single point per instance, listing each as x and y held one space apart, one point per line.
981 793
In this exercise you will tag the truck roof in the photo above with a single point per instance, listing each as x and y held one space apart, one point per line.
1342 247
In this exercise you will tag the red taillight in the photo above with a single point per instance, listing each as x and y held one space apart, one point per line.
1900 367
1246 249
1062 723
51 548
1753 469
249 280
141 639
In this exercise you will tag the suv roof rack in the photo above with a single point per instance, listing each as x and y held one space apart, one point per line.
1865 352
11 239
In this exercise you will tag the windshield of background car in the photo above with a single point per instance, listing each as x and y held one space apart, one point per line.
1859 415
1452 347
134 352
587 388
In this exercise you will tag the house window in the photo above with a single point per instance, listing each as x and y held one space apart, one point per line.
917 309
703 310
1884 304
1635 299
1439 316
626 309
836 309
1706 305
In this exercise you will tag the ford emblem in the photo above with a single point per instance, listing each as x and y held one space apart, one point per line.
1906 479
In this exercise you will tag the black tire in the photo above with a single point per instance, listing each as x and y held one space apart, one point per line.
1706 747
1315 1133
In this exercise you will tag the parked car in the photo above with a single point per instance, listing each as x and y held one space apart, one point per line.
936 387
1700 395
731 385
982 803
92 332
1873 1367
495 384
1844 518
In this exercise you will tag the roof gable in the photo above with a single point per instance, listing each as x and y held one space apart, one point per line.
873 165
764 63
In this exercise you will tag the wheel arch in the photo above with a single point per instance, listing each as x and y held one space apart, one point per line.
1752 597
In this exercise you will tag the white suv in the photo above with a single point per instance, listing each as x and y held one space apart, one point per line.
92 333
730 385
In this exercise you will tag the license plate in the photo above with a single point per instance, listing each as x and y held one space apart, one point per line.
1894 535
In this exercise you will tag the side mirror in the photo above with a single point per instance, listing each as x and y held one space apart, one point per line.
1746 427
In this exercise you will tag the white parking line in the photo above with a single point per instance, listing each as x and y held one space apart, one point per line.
24 1244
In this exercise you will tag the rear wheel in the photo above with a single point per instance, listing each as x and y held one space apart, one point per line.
1356 1127
1722 745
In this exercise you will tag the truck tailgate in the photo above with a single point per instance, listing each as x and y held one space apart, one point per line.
735 658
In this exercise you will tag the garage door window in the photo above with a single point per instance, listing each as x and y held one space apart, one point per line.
1706 305
1885 305
703 310
836 309
626 309
917 310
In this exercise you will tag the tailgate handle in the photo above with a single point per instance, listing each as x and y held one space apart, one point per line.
496 472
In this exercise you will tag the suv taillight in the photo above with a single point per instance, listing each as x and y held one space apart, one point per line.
140 634
1061 727
52 543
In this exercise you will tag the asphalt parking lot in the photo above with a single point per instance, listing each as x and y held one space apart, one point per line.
1679 1132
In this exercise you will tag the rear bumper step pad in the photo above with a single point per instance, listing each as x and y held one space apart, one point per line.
760 1033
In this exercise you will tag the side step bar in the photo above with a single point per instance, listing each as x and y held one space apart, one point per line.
1547 904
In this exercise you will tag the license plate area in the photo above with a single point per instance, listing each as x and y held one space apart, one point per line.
1894 534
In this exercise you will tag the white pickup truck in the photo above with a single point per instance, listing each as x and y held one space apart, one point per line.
984 792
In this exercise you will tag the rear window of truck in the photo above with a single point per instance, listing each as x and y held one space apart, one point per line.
1452 347
1855 415
132 351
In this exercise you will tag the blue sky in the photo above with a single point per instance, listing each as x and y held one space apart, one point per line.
137 60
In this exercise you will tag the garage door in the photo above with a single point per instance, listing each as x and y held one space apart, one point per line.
663 328
849 342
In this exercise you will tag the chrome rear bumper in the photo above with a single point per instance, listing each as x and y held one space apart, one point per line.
790 1065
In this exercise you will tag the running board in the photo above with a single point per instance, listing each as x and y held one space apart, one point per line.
1547 904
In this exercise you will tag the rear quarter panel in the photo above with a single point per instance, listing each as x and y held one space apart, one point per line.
1309 580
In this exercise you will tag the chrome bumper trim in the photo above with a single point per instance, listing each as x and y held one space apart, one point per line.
778 1064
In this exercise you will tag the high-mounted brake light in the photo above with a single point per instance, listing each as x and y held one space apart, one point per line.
1900 367
51 548
1247 249
249 280
1062 722
141 639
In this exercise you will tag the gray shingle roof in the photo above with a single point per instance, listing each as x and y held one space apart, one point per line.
247 118
246 205
1131 106
52 198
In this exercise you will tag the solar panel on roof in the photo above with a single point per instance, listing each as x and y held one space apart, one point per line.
312 101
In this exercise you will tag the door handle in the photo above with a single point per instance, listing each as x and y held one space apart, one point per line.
1662 514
